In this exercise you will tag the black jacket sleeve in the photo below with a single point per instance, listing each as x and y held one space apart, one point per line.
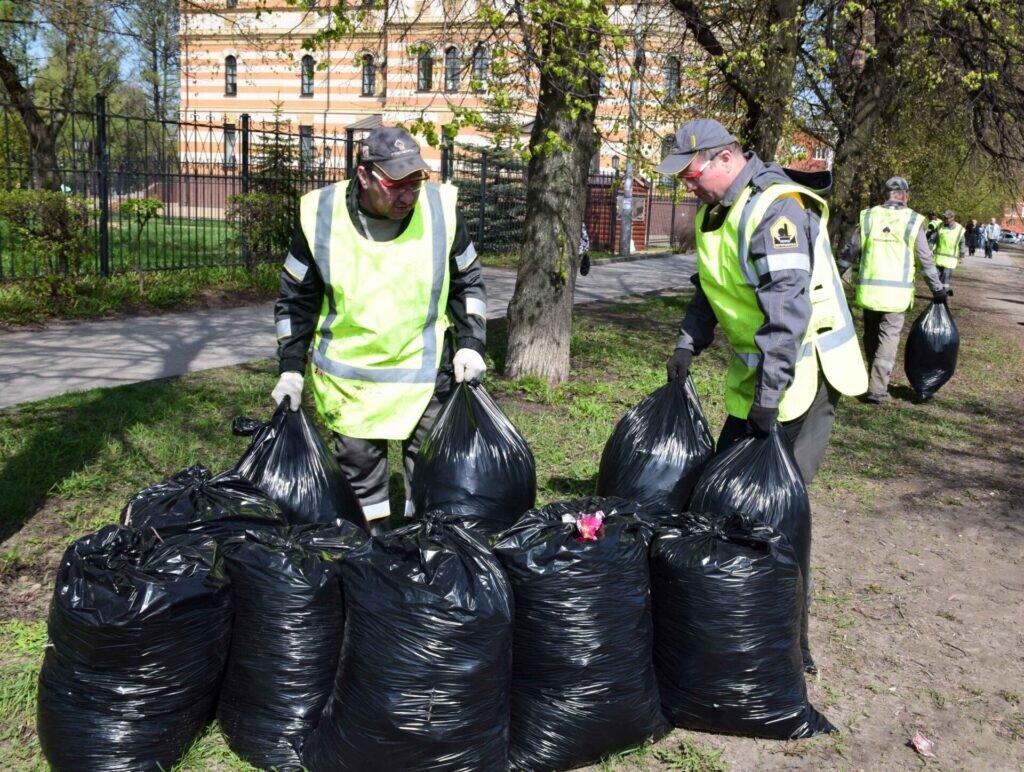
467 298
299 300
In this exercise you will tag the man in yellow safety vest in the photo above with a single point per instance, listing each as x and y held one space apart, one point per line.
382 278
766 275
949 246
885 243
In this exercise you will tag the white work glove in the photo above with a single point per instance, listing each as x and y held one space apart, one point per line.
469 365
288 385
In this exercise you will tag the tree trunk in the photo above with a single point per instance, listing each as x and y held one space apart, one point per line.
42 136
540 313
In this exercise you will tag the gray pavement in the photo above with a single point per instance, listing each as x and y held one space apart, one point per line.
71 357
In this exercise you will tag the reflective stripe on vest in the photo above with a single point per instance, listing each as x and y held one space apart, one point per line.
378 341
886 275
729 280
947 246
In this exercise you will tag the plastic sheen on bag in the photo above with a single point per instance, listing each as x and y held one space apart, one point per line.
932 349
290 462
657 450
727 597
139 630
474 463
759 477
289 619
195 501
583 682
423 681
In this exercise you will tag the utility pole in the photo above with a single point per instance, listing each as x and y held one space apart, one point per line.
635 76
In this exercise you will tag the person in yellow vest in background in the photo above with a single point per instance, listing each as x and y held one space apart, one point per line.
766 274
948 247
885 243
381 278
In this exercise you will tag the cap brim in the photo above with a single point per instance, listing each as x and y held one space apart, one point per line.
400 168
675 163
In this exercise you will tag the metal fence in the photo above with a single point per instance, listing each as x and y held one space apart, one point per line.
191 169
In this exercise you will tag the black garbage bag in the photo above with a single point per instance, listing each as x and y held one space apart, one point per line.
288 625
423 681
932 349
728 597
290 462
196 501
658 450
583 683
139 630
759 477
475 464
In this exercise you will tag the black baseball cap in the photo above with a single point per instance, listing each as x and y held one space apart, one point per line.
394 151
897 183
691 138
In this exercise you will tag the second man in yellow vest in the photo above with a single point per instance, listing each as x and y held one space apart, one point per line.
949 246
766 275
885 243
382 278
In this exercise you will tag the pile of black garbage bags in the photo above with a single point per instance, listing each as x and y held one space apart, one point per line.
486 634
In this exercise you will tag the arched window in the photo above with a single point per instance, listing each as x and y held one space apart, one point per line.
307 75
451 69
425 71
369 75
230 76
672 72
481 66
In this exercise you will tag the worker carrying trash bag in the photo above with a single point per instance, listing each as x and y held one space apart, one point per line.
765 273
380 268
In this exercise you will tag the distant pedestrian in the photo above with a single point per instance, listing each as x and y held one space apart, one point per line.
992 232
884 243
948 247
584 252
972 236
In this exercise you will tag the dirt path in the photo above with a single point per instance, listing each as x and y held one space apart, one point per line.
918 624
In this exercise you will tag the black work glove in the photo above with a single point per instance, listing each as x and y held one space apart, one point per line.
679 364
949 292
940 296
760 420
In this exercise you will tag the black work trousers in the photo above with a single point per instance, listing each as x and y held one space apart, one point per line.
809 434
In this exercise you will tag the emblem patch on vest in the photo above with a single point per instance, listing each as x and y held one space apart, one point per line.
784 234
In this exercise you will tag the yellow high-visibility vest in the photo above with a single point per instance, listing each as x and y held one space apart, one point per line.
886 275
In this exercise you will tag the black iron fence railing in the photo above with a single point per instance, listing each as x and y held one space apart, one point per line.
108 194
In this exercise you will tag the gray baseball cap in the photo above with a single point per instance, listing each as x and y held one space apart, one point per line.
691 138
949 213
394 151
897 183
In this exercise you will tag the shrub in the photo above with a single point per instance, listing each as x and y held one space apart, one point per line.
50 231
262 223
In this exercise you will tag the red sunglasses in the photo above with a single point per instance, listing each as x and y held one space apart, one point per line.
399 186
691 176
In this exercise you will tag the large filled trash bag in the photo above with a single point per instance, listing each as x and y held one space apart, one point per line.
289 618
932 349
196 501
728 598
475 464
583 683
657 451
759 477
423 681
139 630
290 462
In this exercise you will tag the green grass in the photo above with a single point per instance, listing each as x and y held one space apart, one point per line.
70 463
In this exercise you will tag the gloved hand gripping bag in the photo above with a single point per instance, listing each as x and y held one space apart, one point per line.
426 663
759 477
658 450
139 630
288 459
932 349
583 682
196 501
474 463
289 618
727 596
